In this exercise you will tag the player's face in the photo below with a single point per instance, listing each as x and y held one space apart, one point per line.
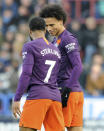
53 26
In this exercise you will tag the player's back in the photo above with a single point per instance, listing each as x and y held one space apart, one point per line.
43 83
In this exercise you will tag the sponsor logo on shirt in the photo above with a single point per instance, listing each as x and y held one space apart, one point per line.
70 47
24 55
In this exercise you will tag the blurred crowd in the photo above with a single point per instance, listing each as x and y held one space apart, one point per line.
14 16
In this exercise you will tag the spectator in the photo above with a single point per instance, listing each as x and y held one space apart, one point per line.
98 59
12 77
28 5
95 81
15 63
4 82
8 19
5 56
11 5
23 14
22 27
6 46
8 79
40 4
90 39
10 34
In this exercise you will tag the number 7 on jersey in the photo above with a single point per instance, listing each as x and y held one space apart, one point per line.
52 64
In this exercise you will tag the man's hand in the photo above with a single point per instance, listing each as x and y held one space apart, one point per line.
16 108
65 96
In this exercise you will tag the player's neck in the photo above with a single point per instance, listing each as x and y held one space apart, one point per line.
38 34
60 31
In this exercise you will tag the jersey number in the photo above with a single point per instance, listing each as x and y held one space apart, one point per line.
52 64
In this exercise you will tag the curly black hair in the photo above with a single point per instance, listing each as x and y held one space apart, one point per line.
55 11
37 23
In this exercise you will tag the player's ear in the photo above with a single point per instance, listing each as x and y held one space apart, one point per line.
60 22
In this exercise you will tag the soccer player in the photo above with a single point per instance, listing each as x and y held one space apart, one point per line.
39 77
70 68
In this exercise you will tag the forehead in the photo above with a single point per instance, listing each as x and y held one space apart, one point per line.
51 21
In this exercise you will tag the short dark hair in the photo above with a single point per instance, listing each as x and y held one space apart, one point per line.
55 11
37 23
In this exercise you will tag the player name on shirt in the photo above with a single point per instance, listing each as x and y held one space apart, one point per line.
50 51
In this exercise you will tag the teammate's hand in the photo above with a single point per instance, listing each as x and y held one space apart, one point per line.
16 108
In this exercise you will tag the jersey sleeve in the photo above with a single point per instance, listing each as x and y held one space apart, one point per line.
27 66
70 44
71 47
27 55
76 63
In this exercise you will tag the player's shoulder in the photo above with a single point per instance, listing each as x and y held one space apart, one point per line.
68 36
69 42
28 46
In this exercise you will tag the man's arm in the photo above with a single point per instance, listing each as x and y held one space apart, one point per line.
71 47
76 63
23 81
28 62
